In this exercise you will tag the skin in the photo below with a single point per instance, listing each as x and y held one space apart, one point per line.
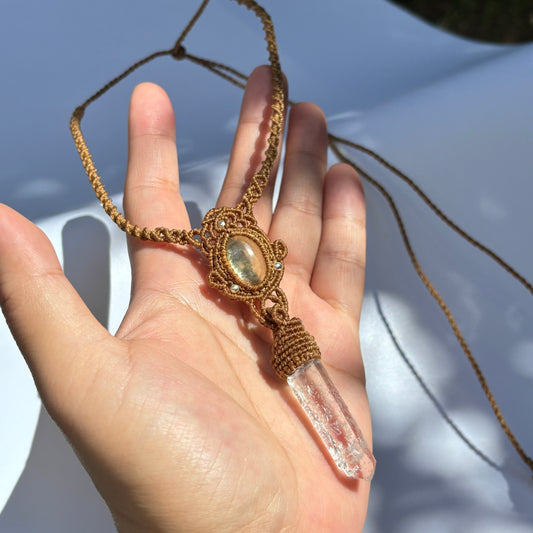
178 417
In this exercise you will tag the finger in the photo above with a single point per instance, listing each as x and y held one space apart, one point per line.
249 146
151 193
52 326
339 273
298 216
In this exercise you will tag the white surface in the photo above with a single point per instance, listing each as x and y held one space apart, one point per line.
454 115
466 140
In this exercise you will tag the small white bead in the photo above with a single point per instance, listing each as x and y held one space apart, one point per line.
221 224
278 265
234 288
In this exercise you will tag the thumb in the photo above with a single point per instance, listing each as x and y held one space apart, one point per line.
52 326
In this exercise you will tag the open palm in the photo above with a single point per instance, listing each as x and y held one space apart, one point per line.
178 418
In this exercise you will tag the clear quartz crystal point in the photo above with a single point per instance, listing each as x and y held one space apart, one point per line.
322 403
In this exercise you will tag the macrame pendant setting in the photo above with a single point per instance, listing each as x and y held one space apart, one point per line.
247 266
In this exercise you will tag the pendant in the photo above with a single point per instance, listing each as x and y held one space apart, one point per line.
245 265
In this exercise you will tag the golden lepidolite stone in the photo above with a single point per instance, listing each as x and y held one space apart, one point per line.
246 260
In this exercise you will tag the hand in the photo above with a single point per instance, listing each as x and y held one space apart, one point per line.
178 418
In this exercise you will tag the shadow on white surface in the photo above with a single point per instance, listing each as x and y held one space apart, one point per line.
54 493
62 496
427 390
517 478
86 263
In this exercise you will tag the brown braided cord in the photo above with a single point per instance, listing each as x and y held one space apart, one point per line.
293 345
260 178
225 72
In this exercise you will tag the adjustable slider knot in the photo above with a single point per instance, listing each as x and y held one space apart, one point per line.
178 52
293 347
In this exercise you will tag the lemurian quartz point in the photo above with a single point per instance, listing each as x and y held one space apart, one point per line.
322 403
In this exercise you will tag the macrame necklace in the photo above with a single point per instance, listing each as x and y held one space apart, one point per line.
245 265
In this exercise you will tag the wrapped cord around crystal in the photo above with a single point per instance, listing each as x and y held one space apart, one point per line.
293 346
